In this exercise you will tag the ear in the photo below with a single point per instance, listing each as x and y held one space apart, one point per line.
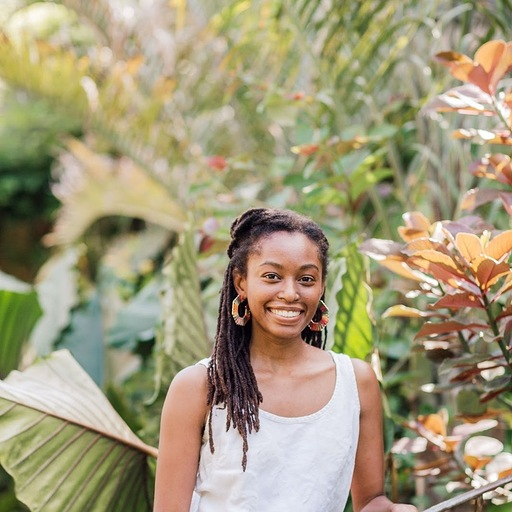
239 282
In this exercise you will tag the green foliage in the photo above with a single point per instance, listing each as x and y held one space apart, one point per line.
19 311
353 333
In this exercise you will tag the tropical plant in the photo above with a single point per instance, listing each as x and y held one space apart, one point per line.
462 277
286 103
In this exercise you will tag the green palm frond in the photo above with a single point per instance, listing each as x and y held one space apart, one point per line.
184 340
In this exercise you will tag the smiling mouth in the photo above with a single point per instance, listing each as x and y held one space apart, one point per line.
285 313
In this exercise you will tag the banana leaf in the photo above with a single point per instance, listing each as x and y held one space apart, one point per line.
64 444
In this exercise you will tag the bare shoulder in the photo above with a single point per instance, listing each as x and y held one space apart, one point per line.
363 371
188 391
367 384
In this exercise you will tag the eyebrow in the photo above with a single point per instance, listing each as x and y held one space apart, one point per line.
306 266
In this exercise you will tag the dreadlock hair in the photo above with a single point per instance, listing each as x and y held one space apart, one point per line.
231 379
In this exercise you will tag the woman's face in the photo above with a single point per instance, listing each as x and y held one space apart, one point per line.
283 285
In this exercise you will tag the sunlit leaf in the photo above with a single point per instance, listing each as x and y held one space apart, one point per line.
407 312
389 254
489 271
466 99
467 429
64 444
354 328
440 266
502 137
492 61
469 245
416 225
495 57
500 246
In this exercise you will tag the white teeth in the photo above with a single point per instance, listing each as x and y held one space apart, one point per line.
285 313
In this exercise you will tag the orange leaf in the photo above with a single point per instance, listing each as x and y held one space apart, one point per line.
424 244
500 246
434 422
495 58
439 272
488 272
469 246
476 462
458 300
402 269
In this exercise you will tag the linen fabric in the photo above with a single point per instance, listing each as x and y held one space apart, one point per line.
299 464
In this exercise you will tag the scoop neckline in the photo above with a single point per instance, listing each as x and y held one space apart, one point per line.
313 415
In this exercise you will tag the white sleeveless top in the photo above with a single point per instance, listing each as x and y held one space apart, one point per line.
301 464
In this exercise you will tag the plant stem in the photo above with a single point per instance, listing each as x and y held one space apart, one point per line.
495 330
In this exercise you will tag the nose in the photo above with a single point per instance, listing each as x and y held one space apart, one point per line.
288 291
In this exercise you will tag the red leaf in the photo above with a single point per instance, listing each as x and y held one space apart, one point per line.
458 301
431 329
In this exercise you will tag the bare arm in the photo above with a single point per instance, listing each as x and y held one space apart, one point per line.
181 428
368 480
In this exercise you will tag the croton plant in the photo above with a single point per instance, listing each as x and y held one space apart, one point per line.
461 268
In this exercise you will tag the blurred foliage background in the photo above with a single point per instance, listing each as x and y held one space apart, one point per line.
134 131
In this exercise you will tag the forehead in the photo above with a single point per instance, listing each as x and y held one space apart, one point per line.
283 247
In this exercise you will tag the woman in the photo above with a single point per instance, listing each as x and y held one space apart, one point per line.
272 422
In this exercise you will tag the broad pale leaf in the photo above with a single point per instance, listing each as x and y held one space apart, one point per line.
354 328
57 288
93 186
64 444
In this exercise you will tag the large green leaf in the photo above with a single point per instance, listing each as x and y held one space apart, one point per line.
353 328
65 446
184 339
19 311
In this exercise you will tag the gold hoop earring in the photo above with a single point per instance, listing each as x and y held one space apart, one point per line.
324 319
240 320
